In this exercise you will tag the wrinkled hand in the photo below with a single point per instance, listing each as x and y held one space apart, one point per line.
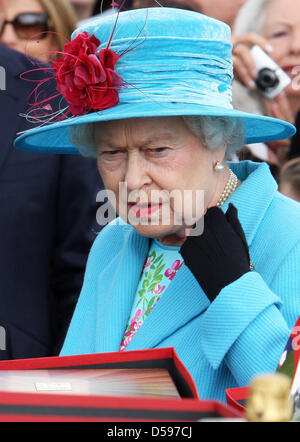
220 255
243 61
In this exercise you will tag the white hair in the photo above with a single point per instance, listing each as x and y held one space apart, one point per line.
251 17
215 131
212 131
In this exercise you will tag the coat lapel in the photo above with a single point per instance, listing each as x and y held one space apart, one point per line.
253 177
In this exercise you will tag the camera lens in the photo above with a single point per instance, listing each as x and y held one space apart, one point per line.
266 79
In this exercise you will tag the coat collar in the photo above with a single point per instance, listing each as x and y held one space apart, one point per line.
254 196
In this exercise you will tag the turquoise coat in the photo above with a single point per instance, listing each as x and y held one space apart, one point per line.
224 343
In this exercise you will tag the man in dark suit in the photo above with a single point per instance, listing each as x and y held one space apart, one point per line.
295 142
47 225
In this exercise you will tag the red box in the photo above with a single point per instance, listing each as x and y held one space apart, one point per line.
52 408
237 397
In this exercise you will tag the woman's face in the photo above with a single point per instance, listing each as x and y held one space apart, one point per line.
39 46
282 29
165 169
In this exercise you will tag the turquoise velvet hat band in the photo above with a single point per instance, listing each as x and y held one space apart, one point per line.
173 62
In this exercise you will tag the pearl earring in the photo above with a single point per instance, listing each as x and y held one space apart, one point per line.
219 167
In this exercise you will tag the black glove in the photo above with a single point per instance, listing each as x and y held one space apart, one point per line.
220 255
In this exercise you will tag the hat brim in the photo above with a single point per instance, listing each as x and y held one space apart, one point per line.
54 138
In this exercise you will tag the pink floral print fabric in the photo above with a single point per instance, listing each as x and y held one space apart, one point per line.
160 268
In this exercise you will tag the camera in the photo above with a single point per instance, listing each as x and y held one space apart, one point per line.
270 79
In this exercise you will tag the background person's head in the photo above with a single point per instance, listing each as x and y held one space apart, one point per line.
46 27
289 180
83 8
278 21
180 4
224 10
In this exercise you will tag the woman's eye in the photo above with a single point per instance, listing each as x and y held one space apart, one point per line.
114 152
279 34
158 150
111 153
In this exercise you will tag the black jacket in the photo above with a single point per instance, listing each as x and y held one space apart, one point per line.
295 143
47 224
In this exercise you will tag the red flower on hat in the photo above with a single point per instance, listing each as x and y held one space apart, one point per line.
87 80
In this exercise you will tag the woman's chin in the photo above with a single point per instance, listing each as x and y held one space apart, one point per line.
157 231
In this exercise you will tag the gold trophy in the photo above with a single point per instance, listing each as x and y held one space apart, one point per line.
269 399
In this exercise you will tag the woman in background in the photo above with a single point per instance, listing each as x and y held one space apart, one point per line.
274 25
37 27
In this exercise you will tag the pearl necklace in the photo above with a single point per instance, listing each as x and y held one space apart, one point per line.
231 185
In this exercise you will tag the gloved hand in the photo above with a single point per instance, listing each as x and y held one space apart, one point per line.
220 255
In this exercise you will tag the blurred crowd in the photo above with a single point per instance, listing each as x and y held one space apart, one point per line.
40 28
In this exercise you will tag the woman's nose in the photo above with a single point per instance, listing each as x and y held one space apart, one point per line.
295 49
136 175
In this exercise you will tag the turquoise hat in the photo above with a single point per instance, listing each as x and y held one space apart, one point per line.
162 62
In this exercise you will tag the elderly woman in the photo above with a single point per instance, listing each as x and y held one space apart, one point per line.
153 106
274 25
